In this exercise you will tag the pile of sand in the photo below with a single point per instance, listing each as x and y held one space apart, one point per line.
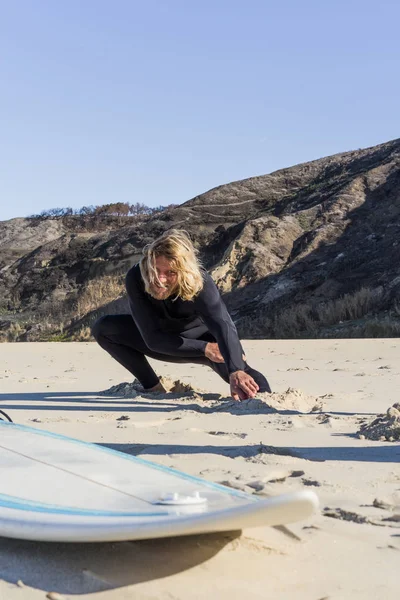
236 407
131 390
124 389
384 427
178 387
293 401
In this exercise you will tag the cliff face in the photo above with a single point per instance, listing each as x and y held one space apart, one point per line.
297 252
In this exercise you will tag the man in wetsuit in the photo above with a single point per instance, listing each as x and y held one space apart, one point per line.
177 315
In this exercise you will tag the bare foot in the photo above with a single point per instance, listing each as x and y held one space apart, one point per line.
157 388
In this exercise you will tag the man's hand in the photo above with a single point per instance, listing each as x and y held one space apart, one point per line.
243 385
212 353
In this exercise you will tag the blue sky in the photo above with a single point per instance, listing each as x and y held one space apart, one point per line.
158 101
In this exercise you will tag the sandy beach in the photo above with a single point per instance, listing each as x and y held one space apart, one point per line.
324 391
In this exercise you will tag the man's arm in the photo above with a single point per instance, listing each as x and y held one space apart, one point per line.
149 326
215 315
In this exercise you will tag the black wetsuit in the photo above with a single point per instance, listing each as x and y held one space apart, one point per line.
173 331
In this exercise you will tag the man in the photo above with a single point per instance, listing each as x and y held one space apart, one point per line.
177 315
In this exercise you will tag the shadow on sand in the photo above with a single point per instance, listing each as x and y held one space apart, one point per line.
90 401
88 568
379 453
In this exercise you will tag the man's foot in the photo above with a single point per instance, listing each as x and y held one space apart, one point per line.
159 388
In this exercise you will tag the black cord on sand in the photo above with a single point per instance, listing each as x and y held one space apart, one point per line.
7 418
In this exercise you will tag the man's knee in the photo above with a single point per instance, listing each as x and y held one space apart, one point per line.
101 327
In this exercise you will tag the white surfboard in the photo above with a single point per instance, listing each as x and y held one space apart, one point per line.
54 488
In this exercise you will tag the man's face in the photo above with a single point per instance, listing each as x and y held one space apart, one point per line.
167 276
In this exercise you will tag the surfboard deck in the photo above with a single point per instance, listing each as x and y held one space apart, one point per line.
55 488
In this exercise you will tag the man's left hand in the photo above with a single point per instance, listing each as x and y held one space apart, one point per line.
242 385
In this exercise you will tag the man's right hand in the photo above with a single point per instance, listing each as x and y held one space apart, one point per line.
243 385
212 352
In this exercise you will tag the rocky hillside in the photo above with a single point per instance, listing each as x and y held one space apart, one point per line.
311 250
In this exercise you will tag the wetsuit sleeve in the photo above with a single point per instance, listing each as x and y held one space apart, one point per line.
150 326
214 313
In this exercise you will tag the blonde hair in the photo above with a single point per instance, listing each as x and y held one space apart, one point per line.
176 246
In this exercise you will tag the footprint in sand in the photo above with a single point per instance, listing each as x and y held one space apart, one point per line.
265 485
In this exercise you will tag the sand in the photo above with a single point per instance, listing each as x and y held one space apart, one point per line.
385 427
307 434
